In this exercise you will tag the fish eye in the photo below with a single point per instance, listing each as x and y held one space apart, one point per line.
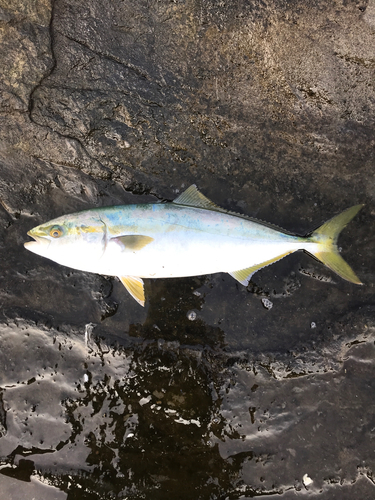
56 231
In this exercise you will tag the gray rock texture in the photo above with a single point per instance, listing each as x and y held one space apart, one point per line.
269 107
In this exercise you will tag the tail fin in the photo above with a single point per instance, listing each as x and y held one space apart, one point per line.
328 253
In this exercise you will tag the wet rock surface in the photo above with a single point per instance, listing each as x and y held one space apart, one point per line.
213 390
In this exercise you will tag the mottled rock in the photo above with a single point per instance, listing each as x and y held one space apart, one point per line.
269 107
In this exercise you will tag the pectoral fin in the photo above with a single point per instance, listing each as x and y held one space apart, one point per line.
132 242
135 287
244 275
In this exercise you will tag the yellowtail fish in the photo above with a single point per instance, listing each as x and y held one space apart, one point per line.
190 236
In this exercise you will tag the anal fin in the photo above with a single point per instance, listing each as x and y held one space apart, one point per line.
244 275
135 287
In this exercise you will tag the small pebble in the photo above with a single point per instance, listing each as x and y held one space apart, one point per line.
306 480
267 303
191 315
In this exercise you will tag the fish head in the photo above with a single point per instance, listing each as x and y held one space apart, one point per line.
76 240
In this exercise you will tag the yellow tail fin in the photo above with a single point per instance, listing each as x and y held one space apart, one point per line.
327 235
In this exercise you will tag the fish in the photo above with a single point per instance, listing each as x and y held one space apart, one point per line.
190 236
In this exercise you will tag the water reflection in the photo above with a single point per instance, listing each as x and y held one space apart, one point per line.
111 421
102 421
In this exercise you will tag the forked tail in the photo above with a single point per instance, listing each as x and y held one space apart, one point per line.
326 236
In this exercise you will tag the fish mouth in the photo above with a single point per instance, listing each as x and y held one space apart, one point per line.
39 242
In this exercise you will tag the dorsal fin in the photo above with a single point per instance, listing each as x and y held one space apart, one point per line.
192 197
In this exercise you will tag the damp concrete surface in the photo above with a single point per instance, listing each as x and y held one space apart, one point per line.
213 390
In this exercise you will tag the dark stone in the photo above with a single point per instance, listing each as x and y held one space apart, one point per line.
269 107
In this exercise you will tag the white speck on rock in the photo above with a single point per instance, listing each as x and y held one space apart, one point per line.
267 303
188 422
144 401
191 315
306 480
88 331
